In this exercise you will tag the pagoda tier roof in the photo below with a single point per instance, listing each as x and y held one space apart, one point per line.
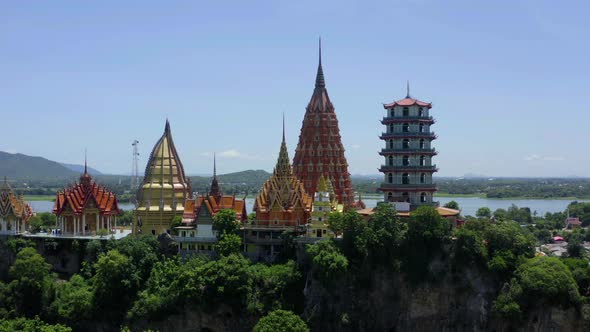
282 192
213 204
442 211
11 204
88 193
408 101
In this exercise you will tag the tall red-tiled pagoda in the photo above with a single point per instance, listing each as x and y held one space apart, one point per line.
320 150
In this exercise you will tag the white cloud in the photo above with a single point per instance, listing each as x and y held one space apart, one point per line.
536 157
355 146
232 154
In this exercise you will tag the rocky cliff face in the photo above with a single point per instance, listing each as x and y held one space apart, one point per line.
456 302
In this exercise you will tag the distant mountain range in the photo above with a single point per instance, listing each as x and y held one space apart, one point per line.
80 169
20 166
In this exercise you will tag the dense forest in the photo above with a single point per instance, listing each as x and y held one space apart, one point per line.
141 283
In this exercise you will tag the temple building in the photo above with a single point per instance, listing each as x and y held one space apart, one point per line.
164 190
408 154
324 203
14 211
85 208
320 150
281 205
196 234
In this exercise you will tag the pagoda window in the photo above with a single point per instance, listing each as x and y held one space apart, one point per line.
311 153
310 167
405 178
389 197
316 138
421 127
390 177
390 161
319 168
406 111
422 161
391 144
406 127
406 197
406 143
391 113
420 111
422 144
391 128
423 197
423 178
406 161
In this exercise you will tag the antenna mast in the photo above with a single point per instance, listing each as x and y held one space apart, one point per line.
135 167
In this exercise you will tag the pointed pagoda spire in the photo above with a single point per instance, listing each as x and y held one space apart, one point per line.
215 183
408 89
167 127
319 79
283 166
85 161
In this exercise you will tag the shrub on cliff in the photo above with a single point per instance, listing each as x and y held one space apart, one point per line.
281 320
328 263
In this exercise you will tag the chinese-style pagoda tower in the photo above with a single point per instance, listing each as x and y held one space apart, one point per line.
282 201
164 190
320 150
408 152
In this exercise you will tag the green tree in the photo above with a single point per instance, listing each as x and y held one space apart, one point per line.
452 205
281 320
484 212
30 278
30 325
74 299
469 247
336 222
228 244
327 260
176 221
115 284
574 244
225 222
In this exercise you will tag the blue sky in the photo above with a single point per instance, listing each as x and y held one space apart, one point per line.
508 79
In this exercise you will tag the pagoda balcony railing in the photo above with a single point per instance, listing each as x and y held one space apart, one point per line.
386 185
385 168
387 135
390 119
195 239
416 205
404 151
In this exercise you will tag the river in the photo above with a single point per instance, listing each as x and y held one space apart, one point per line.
468 205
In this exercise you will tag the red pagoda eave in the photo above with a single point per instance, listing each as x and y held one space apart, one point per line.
390 120
408 135
407 153
408 102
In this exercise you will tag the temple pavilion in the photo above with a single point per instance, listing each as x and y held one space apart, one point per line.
324 203
196 234
14 211
85 208
320 151
164 190
281 205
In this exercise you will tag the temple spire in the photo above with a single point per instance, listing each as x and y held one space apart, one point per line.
167 127
408 89
85 161
214 166
319 79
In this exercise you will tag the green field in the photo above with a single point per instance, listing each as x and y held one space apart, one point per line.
40 198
